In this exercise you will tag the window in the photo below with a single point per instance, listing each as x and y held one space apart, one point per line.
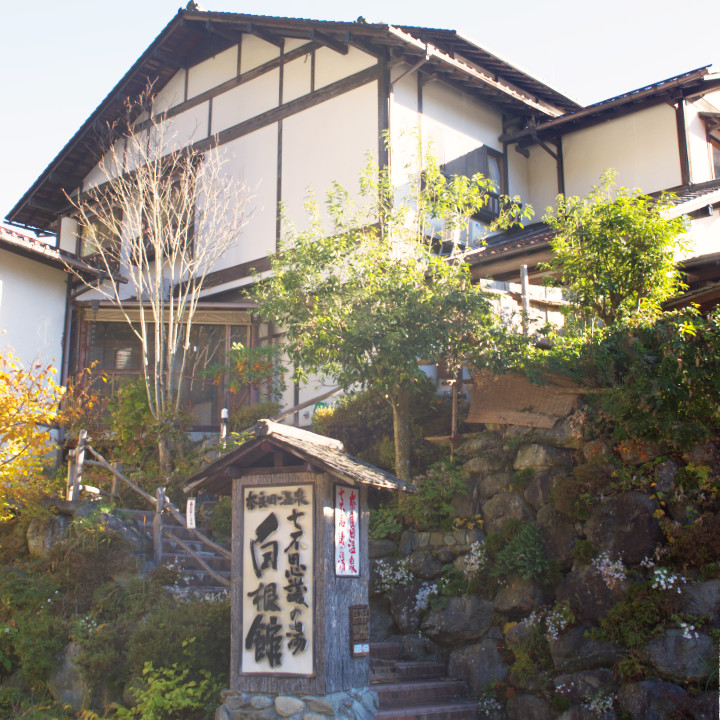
100 236
489 163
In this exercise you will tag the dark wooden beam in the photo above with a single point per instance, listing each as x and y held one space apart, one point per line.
338 47
223 32
42 205
682 142
253 29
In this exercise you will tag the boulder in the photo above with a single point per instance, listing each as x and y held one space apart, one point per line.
586 683
540 457
424 564
463 619
573 651
66 684
382 624
703 599
682 659
703 454
44 532
503 507
528 707
286 706
478 665
404 607
637 452
665 474
484 464
381 548
518 597
567 432
653 700
518 634
705 706
559 535
587 594
625 526
595 451
480 444
539 489
493 483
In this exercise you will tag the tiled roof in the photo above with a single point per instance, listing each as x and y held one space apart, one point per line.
530 236
327 453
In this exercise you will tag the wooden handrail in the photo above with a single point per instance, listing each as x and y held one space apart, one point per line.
198 559
167 505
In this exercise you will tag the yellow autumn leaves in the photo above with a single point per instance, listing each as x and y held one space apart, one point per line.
29 407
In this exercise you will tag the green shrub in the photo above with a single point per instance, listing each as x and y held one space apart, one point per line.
431 506
163 635
171 693
38 638
221 520
384 521
522 552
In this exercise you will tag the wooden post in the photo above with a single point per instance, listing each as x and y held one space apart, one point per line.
525 298
157 525
70 475
79 460
113 482
454 421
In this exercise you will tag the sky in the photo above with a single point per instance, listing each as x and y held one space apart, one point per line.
59 59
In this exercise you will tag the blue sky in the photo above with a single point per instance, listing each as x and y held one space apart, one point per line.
59 59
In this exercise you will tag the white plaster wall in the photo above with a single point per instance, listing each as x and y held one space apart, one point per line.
107 168
172 94
331 66
518 175
67 237
252 159
255 52
186 128
542 180
455 123
326 143
212 72
297 76
642 147
704 236
698 147
292 43
246 100
404 125
32 308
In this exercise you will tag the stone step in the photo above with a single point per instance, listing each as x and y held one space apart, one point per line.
455 710
183 559
420 670
385 650
418 692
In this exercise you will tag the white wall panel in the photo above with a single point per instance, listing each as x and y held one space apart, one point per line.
404 125
292 43
186 128
642 147
456 123
67 237
326 143
255 52
246 101
296 78
212 72
32 308
542 180
110 166
704 236
172 94
331 66
253 159
698 147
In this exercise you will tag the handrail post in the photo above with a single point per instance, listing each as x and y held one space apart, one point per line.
70 474
157 525
79 461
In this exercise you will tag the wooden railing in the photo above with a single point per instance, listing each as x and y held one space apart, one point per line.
160 503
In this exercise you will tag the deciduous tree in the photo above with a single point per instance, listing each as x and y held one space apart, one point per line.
616 250
363 297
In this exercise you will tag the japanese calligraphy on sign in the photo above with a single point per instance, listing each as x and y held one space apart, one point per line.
278 609
347 532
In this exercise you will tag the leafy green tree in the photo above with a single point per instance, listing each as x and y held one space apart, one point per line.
616 250
363 297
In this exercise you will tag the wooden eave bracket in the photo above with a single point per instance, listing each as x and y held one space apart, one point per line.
268 37
338 47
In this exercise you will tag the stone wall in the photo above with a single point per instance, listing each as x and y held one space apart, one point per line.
540 645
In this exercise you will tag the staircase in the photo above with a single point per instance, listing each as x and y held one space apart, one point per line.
193 578
416 689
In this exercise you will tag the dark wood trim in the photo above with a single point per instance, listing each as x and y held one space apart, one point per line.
236 272
338 47
560 164
185 89
238 69
312 70
229 84
278 180
383 113
291 108
682 142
